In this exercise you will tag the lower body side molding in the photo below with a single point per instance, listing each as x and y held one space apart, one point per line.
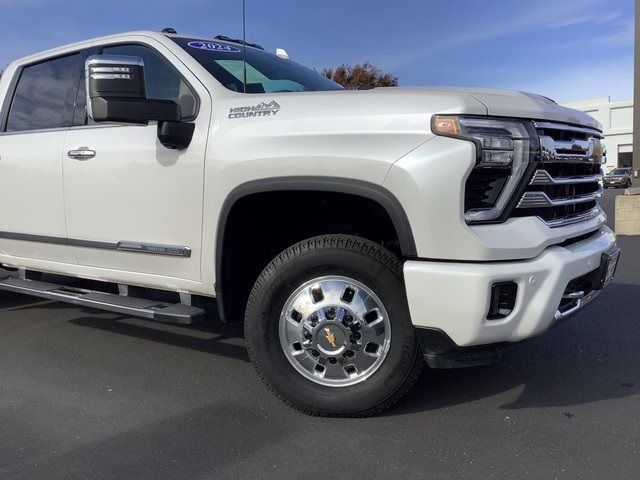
137 307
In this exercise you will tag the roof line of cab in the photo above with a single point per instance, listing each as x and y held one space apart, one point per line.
139 33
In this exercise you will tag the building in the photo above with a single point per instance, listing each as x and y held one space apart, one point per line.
617 124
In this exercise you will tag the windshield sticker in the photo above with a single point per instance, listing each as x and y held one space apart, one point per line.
213 46
260 110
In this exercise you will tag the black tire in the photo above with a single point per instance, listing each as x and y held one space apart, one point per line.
345 255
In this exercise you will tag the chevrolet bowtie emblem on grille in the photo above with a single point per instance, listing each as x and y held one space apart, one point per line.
331 338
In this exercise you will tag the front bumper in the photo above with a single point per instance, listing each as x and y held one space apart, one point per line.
454 297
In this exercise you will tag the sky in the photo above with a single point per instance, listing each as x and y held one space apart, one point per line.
565 49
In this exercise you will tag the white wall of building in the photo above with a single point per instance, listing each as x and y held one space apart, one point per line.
617 124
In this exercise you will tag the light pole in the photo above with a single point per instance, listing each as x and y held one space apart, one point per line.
636 96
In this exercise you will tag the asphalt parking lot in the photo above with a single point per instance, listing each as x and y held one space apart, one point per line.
87 394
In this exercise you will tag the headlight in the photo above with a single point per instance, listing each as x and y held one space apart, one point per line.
503 149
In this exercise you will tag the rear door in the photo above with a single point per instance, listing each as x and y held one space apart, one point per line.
34 124
134 205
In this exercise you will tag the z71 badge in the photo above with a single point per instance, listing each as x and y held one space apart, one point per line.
260 110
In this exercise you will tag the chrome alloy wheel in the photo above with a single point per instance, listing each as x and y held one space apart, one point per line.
335 331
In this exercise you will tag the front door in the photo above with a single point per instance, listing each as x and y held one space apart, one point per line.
132 204
32 217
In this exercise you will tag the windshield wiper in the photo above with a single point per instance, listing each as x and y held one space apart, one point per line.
238 41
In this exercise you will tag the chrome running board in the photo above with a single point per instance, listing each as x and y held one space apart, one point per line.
137 307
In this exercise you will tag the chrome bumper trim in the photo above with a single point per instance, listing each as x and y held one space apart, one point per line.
578 305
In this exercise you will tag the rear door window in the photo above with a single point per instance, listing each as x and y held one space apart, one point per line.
45 94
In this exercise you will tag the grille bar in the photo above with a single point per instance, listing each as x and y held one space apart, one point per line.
541 199
568 128
580 217
570 151
572 147
567 184
542 177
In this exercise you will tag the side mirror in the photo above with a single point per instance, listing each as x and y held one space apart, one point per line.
116 92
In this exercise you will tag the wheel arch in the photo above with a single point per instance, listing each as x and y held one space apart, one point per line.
357 188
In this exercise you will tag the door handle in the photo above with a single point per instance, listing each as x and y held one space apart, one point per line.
82 153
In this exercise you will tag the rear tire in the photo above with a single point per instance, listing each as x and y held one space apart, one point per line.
372 359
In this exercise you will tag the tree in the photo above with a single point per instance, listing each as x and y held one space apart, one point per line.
362 75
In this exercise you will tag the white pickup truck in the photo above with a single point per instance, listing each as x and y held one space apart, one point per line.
360 234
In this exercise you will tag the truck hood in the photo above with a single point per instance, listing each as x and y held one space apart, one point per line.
513 103
502 103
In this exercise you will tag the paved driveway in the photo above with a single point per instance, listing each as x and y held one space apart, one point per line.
86 394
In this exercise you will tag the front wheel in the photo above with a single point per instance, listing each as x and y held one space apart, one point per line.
328 328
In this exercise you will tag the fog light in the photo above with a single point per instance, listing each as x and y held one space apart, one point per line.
503 300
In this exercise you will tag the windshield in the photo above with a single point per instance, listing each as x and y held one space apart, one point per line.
620 171
266 72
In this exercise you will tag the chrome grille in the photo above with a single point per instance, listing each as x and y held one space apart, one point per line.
565 187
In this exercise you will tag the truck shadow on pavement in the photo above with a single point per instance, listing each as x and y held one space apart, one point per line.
10 302
207 337
590 357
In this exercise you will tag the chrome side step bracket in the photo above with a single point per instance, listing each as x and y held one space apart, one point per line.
137 307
